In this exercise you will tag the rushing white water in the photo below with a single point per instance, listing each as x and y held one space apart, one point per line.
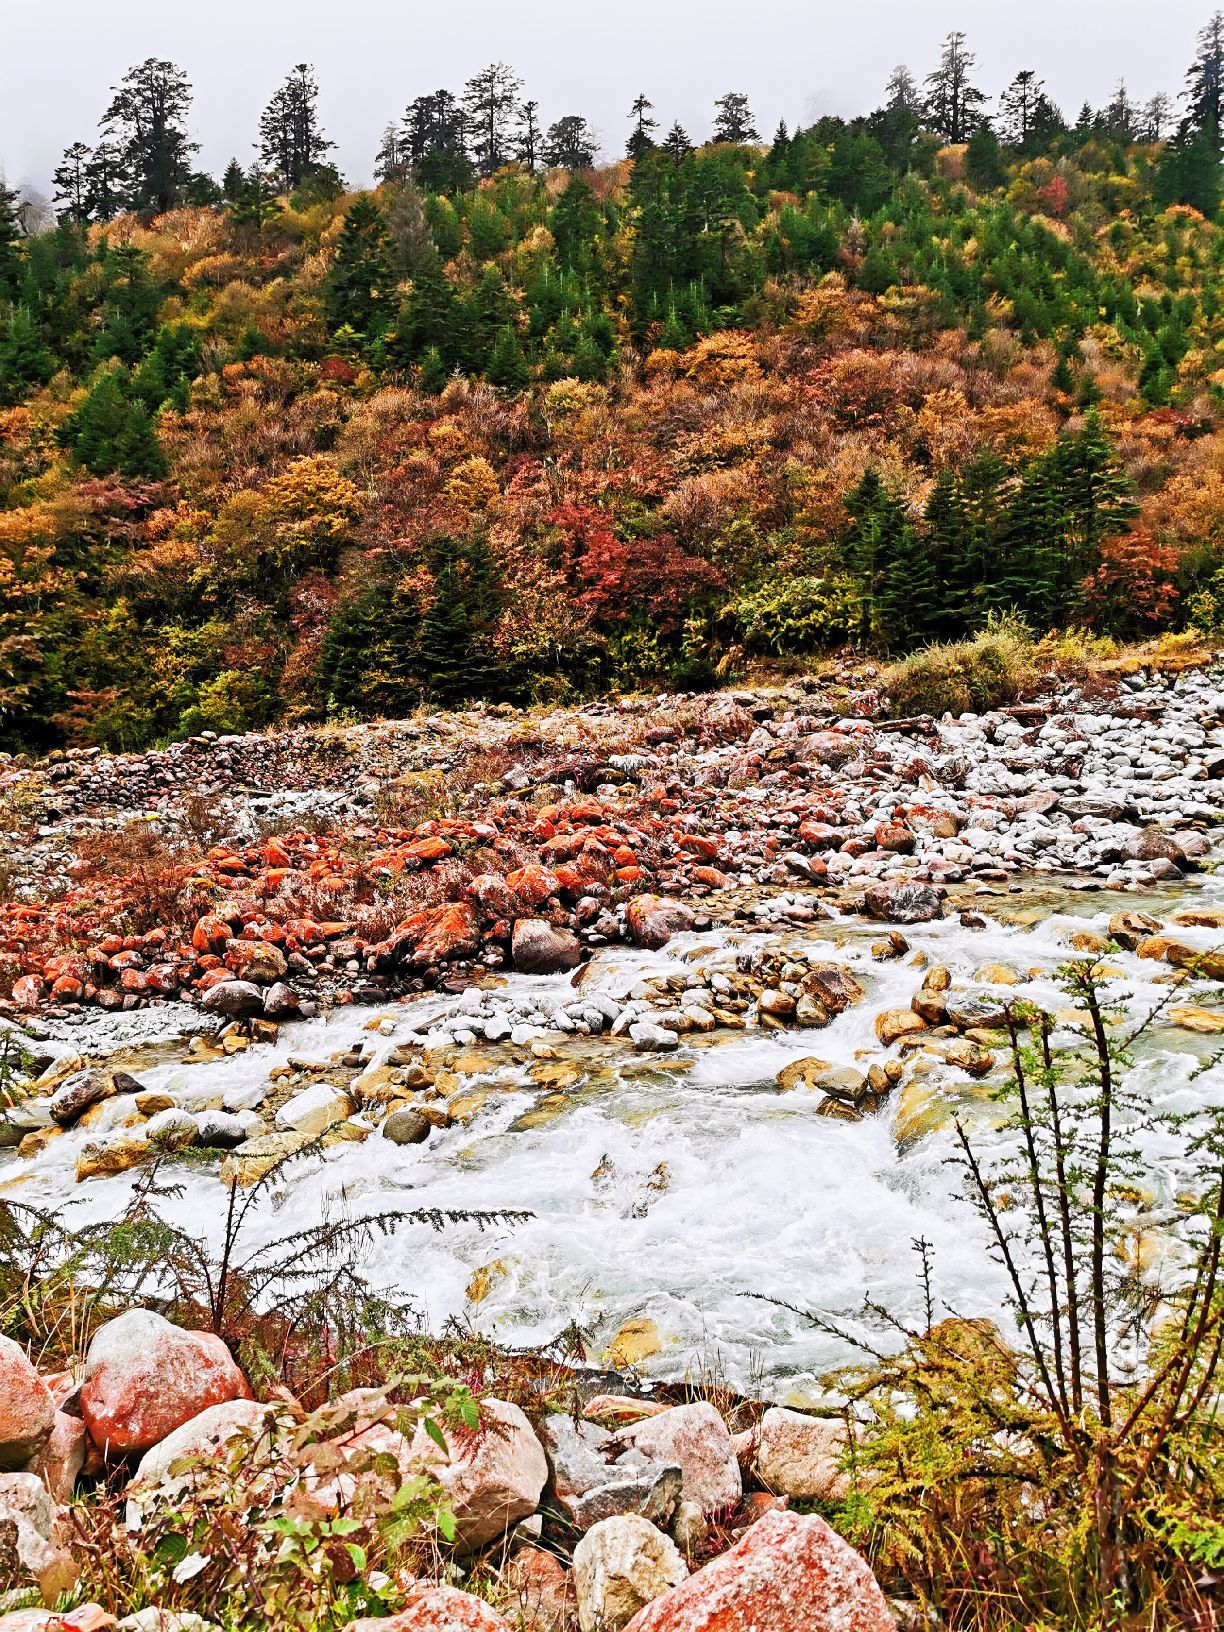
671 1190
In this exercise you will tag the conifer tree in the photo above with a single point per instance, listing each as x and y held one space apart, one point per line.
528 139
491 102
25 361
10 238
112 433
893 567
393 161
291 144
984 168
107 181
676 144
429 319
72 188
232 182
360 282
640 140
953 104
570 144
454 650
146 117
733 120
507 367
901 93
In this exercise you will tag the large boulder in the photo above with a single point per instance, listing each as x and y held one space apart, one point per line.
901 903
235 999
539 948
437 1609
204 1436
74 1096
789 1573
144 1378
620 1565
27 1409
801 1457
653 920
492 1478
591 1479
697 1440
1150 844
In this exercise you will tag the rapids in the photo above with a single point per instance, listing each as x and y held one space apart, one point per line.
672 1190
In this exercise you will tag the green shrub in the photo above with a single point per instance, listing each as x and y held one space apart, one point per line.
800 614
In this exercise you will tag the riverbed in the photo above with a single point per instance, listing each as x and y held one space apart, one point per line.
669 1196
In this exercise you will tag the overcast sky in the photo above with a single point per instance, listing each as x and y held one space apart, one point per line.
794 58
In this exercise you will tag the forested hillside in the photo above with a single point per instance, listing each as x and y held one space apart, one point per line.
516 424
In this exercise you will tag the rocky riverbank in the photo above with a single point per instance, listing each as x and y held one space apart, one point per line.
623 1514
269 876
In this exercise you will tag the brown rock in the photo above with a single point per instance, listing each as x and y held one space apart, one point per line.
893 1024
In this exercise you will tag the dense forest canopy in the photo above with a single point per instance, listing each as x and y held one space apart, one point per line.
513 422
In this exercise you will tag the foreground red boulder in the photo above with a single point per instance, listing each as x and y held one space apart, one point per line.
144 1378
27 1410
438 1609
790 1573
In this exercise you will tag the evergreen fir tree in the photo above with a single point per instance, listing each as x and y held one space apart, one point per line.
147 115
984 167
112 433
358 287
25 362
640 140
893 566
429 319
291 144
507 367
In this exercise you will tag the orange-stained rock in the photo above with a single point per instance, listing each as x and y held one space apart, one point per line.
543 1592
28 992
531 886
144 1378
210 934
789 1573
438 1609
452 932
27 1409
427 850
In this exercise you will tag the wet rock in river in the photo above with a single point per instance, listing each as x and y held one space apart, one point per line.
407 1128
903 903
652 920
75 1096
540 948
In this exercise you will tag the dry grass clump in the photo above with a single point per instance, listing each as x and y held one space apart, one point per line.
995 668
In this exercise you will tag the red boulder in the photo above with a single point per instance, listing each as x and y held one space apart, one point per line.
144 1378
790 1573
27 1410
